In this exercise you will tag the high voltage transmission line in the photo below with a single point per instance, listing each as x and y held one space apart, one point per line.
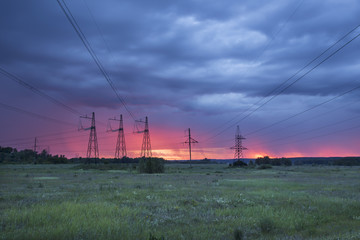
69 139
124 104
47 139
109 50
316 116
37 91
312 130
322 135
260 55
304 111
297 79
88 47
43 135
35 115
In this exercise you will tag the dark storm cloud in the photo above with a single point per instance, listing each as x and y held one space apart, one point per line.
163 52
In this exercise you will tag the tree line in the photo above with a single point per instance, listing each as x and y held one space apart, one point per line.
12 155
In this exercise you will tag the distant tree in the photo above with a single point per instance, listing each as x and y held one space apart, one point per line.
262 160
12 155
274 162
251 164
151 165
286 162
6 150
347 161
238 163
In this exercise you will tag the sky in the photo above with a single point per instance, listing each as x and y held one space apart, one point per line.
286 72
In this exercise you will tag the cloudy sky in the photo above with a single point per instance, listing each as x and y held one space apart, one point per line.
286 71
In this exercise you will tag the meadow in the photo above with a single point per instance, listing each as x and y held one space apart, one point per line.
203 202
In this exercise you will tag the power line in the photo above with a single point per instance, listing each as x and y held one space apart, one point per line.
109 50
87 45
43 139
44 135
304 111
314 129
300 113
317 116
296 80
49 137
258 57
37 91
35 115
98 27
323 135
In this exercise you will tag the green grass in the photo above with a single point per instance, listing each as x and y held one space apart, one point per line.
203 202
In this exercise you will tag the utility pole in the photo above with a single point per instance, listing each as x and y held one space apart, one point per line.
35 144
35 148
190 141
238 155
146 144
120 150
93 149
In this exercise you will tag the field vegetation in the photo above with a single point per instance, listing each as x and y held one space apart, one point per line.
207 201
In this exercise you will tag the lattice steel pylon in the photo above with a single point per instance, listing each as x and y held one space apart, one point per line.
146 144
93 149
120 150
238 155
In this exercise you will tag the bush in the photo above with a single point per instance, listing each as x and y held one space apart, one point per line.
153 237
151 165
238 234
265 166
267 225
238 163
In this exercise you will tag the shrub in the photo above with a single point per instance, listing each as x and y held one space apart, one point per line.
266 225
238 163
264 166
238 234
153 237
151 165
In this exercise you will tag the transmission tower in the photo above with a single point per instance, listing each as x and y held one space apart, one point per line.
238 155
120 150
190 141
93 150
146 144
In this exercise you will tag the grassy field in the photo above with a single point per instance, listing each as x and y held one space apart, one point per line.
204 202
